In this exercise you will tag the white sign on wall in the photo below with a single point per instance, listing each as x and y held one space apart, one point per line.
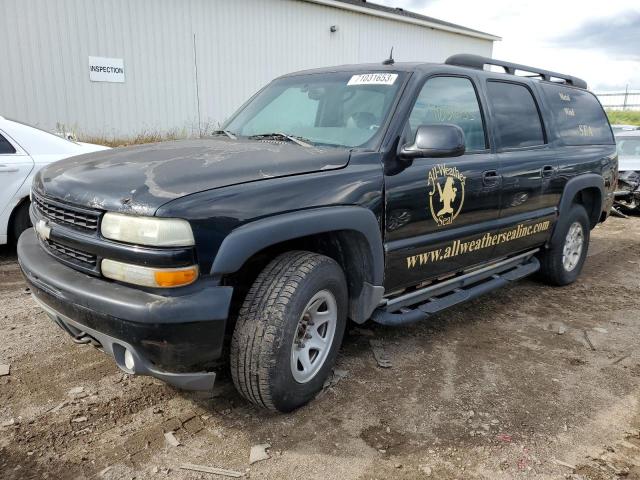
103 69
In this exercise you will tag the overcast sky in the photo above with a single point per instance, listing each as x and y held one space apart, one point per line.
595 40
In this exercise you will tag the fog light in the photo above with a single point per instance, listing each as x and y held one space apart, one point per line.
129 362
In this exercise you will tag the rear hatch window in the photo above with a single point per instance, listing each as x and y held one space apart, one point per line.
579 117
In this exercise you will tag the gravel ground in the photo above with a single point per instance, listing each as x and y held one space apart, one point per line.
531 382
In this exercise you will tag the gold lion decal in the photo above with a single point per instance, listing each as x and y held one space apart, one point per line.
445 201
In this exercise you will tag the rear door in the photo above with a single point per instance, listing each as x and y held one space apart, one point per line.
15 166
438 210
528 166
582 136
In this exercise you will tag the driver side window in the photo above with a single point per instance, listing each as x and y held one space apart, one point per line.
450 100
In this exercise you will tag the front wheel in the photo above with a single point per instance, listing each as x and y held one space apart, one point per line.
289 331
562 262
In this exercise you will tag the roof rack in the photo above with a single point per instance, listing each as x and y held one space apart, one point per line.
478 62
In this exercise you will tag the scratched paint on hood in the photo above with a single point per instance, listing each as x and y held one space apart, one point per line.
139 179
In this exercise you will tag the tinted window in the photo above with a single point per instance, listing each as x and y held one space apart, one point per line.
450 100
516 117
5 146
578 116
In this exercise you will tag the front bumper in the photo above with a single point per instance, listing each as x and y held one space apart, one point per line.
175 336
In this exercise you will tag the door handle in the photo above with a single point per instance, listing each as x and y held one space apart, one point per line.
490 178
8 169
548 170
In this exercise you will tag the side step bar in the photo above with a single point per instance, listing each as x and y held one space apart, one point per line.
420 304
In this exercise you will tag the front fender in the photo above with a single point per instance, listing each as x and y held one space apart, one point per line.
247 240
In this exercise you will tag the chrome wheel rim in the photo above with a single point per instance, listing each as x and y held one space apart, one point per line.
314 336
573 245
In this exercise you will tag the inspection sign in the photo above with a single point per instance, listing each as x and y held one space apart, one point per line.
102 69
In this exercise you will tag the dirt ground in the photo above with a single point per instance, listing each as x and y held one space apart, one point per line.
530 382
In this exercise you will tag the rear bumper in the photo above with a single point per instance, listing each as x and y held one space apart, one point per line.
175 336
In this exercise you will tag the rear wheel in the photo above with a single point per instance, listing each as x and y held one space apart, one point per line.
21 221
562 262
289 330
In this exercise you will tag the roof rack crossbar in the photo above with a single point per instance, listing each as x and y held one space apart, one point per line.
478 62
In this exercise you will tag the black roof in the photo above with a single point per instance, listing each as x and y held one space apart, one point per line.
478 62
365 67
406 13
454 63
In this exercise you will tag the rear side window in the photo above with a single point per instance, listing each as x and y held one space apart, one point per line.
578 116
450 100
5 146
515 115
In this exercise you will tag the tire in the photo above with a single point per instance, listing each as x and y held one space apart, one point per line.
20 221
273 315
559 269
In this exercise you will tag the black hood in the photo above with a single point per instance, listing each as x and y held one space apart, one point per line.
142 178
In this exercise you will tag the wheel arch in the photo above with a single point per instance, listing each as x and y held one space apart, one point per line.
587 190
12 216
348 234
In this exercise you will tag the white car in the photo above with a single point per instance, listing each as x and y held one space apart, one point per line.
623 128
23 151
628 192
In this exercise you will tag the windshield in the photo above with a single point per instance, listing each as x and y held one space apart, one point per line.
338 109
628 147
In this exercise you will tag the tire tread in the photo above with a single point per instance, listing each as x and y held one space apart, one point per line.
551 269
261 320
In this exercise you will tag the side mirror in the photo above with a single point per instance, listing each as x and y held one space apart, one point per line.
435 141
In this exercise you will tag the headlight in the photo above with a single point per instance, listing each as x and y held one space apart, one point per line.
152 231
149 277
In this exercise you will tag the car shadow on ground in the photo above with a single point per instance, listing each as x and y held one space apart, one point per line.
8 253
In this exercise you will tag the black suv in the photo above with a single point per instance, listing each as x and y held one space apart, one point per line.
385 191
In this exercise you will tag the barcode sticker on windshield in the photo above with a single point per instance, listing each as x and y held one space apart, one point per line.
373 79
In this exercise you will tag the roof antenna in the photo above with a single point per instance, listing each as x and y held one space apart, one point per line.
390 60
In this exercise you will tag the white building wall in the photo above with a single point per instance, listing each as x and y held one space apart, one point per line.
240 46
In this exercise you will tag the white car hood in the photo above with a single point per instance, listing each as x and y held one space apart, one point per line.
626 164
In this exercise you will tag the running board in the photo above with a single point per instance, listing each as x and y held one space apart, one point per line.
420 304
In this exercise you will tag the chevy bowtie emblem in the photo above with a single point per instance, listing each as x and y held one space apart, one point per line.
43 230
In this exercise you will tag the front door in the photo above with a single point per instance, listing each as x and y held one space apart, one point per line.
439 211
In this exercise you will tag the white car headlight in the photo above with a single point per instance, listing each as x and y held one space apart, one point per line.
152 231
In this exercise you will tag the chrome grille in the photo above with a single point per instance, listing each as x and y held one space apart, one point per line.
66 214
72 254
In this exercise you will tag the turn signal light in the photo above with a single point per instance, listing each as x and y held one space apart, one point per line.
176 278
147 276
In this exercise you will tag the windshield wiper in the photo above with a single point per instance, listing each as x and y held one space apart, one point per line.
303 142
227 133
